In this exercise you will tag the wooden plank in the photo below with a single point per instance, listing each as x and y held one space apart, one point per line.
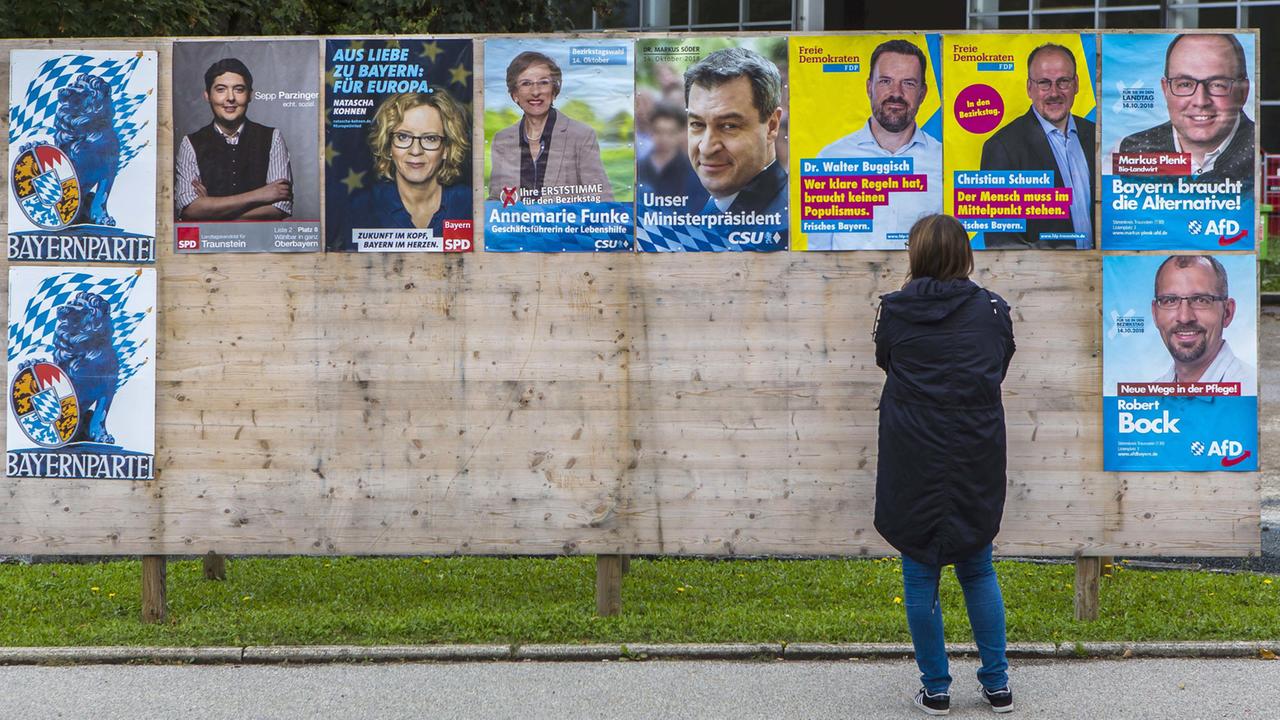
693 404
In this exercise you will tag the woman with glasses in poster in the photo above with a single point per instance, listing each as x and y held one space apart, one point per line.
945 344
421 143
548 155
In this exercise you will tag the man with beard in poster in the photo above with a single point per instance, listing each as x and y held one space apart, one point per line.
232 168
1049 137
734 99
896 86
1191 308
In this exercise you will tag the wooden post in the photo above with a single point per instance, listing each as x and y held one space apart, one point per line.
1088 573
608 585
626 564
154 608
215 566
1108 564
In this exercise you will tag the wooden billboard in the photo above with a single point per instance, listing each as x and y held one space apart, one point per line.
690 404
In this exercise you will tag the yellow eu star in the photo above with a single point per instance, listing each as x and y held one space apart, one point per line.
459 74
431 50
354 181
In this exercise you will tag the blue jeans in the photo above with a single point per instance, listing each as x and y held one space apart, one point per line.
986 616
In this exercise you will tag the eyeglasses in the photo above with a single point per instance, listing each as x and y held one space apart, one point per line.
1063 84
1217 86
429 141
1197 302
543 84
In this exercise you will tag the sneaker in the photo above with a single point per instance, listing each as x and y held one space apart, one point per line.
1001 700
939 704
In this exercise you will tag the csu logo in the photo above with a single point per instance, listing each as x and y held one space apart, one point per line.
758 237
1231 451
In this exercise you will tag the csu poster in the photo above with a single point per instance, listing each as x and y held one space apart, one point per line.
559 145
1020 134
729 190
1179 157
82 372
82 155
398 145
1180 378
246 174
866 174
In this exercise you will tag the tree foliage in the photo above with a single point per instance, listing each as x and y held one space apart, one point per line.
161 18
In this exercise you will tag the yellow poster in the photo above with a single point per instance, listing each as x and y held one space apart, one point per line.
866 139
1020 135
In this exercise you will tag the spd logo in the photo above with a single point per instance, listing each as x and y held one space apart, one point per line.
188 238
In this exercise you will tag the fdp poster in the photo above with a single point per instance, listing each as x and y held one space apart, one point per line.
398 145
735 142
559 145
82 156
867 173
1020 137
246 174
82 372
1179 156
1180 378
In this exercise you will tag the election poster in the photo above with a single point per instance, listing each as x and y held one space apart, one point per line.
82 156
246 155
559 155
397 153
1020 132
1178 150
867 173
82 344
718 180
1180 378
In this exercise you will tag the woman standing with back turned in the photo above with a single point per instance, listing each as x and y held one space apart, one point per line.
945 345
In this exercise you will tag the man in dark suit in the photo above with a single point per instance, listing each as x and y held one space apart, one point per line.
734 99
1205 86
1048 137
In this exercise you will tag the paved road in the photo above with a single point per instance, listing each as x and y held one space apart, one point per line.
1098 689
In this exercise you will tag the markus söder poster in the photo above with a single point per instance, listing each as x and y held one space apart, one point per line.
1180 379
82 372
82 156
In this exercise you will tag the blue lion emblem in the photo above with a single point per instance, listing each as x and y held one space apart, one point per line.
82 347
83 129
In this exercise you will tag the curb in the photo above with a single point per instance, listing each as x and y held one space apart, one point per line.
312 654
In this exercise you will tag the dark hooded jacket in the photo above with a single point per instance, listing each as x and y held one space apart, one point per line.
940 484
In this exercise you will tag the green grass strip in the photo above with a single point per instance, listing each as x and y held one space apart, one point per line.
373 601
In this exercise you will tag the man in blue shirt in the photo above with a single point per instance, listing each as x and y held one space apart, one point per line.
896 86
1049 137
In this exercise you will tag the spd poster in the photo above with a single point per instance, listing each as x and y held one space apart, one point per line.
729 190
246 174
1180 378
397 149
82 372
867 173
559 145
1178 151
1021 139
82 156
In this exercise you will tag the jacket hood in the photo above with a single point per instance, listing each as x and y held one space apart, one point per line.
925 300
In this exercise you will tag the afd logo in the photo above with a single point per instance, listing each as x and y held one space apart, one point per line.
1231 452
758 237
1229 232
1144 426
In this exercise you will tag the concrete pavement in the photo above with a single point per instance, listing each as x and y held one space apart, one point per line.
1087 689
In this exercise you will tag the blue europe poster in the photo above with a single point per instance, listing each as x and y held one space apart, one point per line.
1179 156
559 145
1180 379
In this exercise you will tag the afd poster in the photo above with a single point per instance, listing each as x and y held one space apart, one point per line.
866 174
397 149
1021 139
82 156
82 372
246 175
559 145
1180 378
735 143
1178 150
